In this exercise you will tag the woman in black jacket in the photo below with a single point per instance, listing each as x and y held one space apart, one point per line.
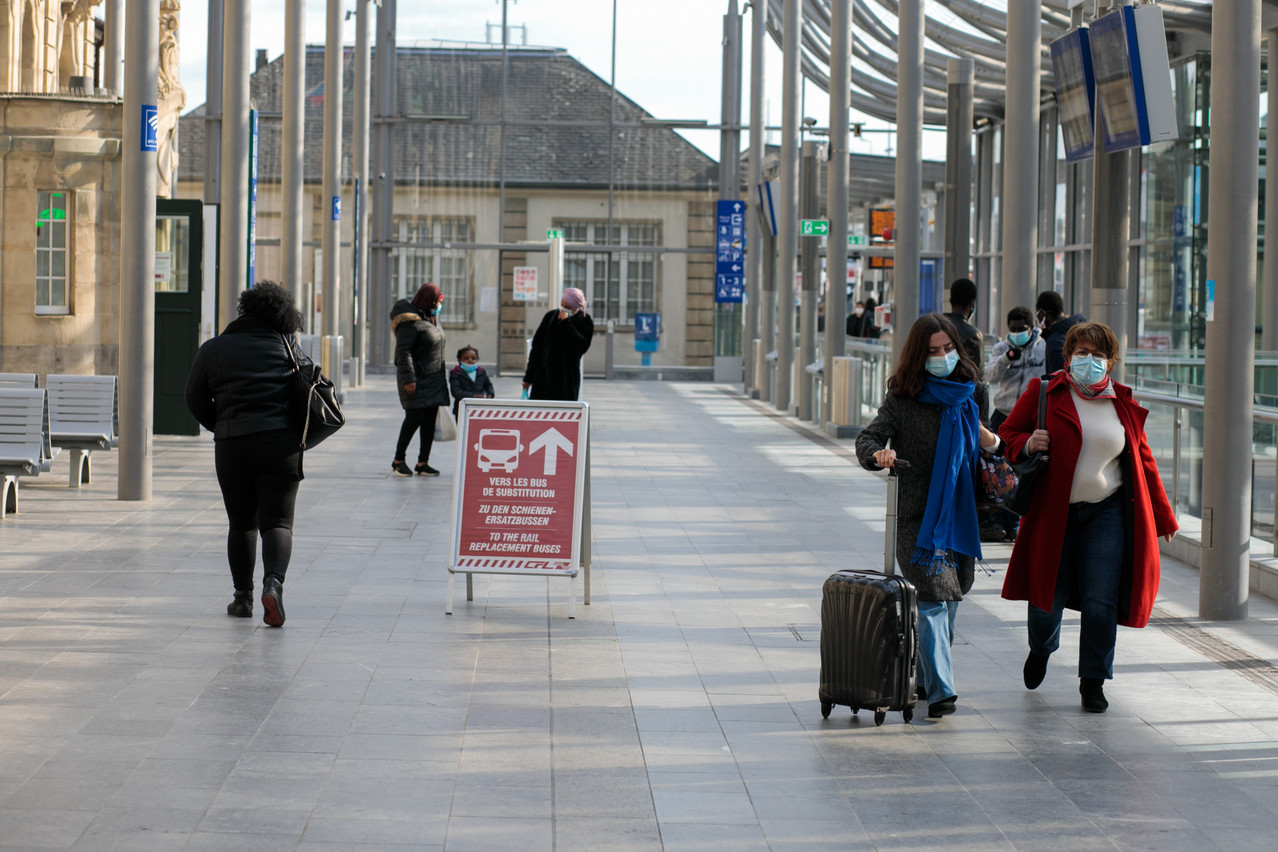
419 372
554 362
241 389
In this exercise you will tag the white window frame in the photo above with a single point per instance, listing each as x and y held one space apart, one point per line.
53 241
411 267
634 275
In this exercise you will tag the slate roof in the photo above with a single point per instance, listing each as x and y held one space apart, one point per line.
544 85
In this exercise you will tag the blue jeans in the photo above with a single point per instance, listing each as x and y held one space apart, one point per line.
936 635
1091 564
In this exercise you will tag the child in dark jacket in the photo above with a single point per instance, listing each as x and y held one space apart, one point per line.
468 379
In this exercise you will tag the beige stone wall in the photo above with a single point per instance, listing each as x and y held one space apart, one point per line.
64 145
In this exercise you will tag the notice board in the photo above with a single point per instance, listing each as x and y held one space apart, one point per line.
521 491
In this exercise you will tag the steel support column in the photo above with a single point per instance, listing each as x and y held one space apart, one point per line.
1269 317
788 212
213 113
359 142
909 174
1020 156
836 247
382 185
958 169
809 274
729 349
137 265
754 225
233 216
1231 321
331 236
292 207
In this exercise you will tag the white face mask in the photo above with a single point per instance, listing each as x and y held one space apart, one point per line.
858 311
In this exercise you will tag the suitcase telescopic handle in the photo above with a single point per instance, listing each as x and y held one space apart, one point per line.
898 462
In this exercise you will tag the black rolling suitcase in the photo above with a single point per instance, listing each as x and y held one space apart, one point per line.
870 633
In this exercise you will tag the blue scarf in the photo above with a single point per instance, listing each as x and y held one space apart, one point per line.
949 522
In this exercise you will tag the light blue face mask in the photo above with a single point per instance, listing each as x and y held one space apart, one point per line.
943 366
470 368
1088 369
1018 338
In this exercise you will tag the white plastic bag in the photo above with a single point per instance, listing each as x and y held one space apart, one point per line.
445 428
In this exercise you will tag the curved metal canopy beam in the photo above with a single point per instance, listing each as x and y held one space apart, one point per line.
986 69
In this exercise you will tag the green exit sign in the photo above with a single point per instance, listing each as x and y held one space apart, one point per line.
813 227
555 234
856 239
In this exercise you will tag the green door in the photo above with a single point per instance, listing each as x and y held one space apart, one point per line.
179 261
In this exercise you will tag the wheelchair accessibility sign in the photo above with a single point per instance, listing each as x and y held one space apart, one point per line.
520 486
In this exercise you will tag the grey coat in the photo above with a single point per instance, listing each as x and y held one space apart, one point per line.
912 427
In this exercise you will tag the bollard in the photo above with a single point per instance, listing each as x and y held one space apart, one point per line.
331 361
608 344
761 368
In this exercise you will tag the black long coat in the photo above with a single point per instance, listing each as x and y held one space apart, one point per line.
419 358
554 364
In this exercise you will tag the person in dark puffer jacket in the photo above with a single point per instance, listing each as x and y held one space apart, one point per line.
419 374
241 389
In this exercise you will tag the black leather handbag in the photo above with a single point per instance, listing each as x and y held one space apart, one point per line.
316 400
1029 467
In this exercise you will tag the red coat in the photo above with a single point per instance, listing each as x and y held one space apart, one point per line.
1031 573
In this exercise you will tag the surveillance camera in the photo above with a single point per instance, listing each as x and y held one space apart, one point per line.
809 121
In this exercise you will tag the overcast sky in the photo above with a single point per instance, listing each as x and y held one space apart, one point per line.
669 52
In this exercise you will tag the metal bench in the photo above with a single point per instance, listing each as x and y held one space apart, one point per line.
24 441
84 415
18 381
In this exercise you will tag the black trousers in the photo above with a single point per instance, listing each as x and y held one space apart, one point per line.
259 475
420 420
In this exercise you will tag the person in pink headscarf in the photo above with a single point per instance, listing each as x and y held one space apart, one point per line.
554 364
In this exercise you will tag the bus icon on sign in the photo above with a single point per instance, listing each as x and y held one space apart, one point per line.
498 449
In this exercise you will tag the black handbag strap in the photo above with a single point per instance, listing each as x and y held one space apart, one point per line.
306 425
1042 404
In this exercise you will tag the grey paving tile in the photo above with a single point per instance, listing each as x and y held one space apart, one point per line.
484 834
682 694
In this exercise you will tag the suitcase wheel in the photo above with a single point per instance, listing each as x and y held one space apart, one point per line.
879 716
907 715
826 707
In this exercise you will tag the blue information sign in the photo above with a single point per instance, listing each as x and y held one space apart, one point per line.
647 331
150 128
729 254
337 208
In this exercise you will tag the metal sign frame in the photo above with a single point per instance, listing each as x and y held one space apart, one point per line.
470 413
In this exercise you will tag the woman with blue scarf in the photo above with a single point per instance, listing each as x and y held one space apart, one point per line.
931 416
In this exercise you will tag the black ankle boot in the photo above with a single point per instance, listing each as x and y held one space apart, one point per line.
241 606
273 600
1093 691
1034 671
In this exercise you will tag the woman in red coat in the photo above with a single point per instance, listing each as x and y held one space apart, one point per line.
1090 538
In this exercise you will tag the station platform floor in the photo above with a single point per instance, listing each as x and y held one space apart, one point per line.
678 711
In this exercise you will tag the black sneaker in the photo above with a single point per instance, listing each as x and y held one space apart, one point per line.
273 600
242 605
991 533
400 469
424 469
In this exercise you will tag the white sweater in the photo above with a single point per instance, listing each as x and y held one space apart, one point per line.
1098 473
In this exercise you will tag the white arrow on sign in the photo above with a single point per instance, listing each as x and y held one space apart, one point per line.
550 441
